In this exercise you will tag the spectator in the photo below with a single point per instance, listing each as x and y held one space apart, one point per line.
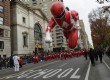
20 62
4 61
96 54
25 59
11 62
85 54
100 54
91 56
1 62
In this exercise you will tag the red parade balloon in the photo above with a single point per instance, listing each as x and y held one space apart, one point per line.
73 39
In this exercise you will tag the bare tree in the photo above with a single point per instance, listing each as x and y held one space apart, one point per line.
99 27
102 1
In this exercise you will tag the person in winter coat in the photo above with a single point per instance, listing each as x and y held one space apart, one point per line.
100 54
92 56
20 62
1 62
11 62
85 53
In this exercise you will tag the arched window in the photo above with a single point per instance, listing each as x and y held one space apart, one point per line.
37 32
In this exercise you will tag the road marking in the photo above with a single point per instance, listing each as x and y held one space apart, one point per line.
106 65
51 74
74 74
18 74
8 77
87 74
6 70
47 73
40 73
26 74
63 65
65 73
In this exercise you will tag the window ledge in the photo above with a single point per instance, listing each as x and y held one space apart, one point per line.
25 46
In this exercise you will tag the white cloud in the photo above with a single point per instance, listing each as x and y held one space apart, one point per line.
83 7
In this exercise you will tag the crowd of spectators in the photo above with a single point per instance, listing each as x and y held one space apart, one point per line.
7 62
93 54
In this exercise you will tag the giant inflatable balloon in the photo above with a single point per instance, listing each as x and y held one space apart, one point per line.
67 20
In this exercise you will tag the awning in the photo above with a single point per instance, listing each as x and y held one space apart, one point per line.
38 46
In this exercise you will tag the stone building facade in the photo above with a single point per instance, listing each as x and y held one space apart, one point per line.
28 28
83 35
45 5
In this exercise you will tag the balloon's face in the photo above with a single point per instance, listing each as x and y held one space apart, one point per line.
57 10
61 16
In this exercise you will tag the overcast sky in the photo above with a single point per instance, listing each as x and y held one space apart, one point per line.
83 7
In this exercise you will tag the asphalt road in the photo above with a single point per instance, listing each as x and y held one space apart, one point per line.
70 69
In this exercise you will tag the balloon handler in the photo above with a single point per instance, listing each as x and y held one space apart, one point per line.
67 20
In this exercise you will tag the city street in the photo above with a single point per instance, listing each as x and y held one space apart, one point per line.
70 69
51 39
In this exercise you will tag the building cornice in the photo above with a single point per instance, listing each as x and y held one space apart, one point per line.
4 27
16 2
22 26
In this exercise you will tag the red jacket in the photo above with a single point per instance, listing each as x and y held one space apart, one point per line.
20 60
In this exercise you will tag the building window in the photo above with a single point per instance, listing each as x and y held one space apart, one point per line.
1 32
61 0
43 0
34 2
4 56
1 9
37 32
1 45
25 39
24 20
1 20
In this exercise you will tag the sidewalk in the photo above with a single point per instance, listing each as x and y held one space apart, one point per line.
101 71
107 60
